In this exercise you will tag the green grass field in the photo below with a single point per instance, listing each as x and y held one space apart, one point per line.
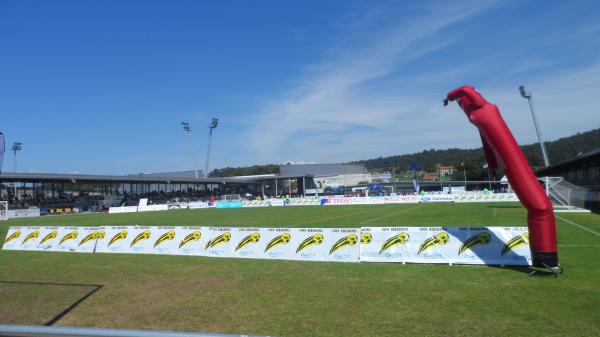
288 298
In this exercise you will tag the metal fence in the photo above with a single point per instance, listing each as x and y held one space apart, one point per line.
43 331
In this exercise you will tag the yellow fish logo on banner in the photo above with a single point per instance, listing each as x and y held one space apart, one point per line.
480 239
92 236
50 236
193 236
365 238
399 239
252 238
170 235
316 239
349 240
279 240
13 236
119 236
515 242
440 239
225 237
70 236
33 235
145 235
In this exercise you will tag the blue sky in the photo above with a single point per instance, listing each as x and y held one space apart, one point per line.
101 86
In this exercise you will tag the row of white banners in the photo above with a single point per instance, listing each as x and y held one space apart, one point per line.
332 201
449 245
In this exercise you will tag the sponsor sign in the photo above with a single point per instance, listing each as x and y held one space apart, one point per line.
486 197
228 204
196 205
436 198
401 199
256 203
152 208
450 245
63 239
324 244
23 213
123 209
247 242
219 243
304 202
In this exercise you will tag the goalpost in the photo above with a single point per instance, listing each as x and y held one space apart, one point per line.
3 210
565 196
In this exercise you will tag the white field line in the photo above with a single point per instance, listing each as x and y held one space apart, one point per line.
366 222
333 217
578 225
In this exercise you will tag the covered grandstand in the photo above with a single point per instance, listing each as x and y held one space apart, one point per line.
51 191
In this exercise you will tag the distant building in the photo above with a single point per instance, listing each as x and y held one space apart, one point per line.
445 170
322 170
329 175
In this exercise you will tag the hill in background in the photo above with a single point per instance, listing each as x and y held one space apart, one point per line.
558 151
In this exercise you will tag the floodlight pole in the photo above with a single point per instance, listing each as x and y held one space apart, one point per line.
17 146
465 174
529 98
187 127
213 125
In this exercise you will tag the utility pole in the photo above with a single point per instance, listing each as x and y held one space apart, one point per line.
529 98
213 125
187 127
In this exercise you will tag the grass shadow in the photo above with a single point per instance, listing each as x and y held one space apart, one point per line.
66 311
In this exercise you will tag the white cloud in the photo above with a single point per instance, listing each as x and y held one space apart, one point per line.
352 106
338 103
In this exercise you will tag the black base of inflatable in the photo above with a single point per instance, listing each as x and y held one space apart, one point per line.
545 263
544 260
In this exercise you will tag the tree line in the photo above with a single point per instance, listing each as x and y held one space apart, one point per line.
558 151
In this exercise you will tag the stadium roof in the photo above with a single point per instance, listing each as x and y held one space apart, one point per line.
183 177
589 158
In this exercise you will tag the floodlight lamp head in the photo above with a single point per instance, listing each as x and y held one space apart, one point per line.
17 146
186 126
214 123
524 93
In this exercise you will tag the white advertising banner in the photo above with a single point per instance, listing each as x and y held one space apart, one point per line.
64 239
196 205
436 198
126 239
219 243
486 197
324 244
191 240
401 199
248 242
450 245
304 202
74 239
123 209
152 208
256 203
23 213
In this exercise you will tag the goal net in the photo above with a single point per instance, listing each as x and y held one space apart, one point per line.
3 210
231 197
565 196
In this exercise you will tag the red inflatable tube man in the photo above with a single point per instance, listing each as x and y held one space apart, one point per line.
501 150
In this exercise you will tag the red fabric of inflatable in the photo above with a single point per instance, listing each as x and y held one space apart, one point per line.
501 150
